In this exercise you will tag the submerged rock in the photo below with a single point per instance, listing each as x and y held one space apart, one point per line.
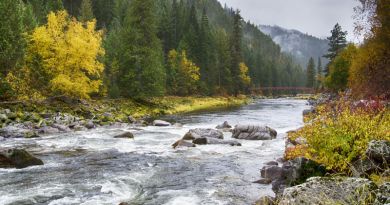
126 135
263 181
161 123
323 190
182 143
17 158
253 132
202 133
209 140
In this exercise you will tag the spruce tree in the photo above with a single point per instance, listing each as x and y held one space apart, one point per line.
140 67
319 72
205 47
337 42
235 51
85 12
12 42
310 74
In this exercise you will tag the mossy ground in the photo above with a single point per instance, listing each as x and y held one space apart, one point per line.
118 110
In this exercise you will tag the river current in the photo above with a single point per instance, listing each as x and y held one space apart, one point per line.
93 168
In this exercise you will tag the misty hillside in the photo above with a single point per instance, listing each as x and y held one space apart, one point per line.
301 46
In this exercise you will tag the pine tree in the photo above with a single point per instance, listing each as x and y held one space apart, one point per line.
86 13
319 73
337 42
310 74
235 52
141 59
205 48
12 42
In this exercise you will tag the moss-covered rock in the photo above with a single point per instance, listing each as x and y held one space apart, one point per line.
324 190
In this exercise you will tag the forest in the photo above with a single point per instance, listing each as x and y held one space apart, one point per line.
135 49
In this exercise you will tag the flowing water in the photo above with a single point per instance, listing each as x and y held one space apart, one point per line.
92 167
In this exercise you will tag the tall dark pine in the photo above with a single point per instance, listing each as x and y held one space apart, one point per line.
141 65
205 47
12 41
319 72
236 51
337 42
310 73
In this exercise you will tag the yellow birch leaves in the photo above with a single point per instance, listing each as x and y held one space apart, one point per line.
68 52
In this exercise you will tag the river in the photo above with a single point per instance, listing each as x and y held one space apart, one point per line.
92 167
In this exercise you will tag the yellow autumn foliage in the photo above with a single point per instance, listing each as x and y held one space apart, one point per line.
67 53
244 76
185 74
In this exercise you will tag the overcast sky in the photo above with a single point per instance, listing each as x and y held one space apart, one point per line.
315 17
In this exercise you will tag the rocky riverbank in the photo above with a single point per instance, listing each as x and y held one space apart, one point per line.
61 114
303 181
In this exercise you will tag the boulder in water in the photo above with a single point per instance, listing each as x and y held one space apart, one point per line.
224 125
161 123
202 133
183 143
253 132
17 158
125 135
209 140
90 125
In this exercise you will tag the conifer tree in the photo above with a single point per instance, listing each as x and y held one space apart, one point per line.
141 60
337 42
86 13
235 51
310 74
319 73
12 42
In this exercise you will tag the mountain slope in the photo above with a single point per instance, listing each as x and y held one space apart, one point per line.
301 46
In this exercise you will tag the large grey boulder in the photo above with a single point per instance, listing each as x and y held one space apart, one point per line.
202 133
161 123
182 143
323 190
253 132
17 158
209 140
